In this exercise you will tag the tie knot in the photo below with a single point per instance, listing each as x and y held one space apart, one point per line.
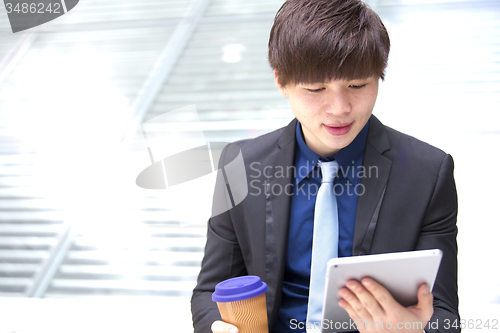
329 170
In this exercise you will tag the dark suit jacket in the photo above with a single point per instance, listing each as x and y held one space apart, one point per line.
409 203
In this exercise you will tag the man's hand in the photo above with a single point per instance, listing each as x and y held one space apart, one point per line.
374 309
222 327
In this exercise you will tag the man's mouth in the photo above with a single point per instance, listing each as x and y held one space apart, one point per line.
338 129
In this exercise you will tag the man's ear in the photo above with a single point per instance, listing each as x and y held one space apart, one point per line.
281 88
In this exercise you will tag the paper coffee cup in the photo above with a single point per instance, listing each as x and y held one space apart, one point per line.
242 303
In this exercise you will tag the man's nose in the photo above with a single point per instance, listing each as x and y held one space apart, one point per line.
338 102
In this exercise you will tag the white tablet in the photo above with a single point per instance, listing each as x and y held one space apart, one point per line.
401 273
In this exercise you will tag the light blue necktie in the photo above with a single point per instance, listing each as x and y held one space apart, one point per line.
325 241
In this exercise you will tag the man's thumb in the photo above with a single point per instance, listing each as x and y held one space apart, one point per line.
222 327
425 299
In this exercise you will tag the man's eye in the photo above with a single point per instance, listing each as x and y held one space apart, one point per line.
357 86
316 90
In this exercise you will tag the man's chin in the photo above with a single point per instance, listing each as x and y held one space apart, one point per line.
341 143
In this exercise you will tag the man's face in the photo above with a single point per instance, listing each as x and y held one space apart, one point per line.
331 114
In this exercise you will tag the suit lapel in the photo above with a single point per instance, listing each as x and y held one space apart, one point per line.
377 169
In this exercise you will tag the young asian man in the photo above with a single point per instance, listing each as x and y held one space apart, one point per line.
396 192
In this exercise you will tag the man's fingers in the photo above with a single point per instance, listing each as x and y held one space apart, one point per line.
383 297
425 301
350 310
366 305
347 302
222 327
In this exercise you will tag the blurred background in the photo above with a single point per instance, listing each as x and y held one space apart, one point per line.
83 248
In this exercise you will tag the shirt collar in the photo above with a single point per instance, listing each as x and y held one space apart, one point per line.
350 158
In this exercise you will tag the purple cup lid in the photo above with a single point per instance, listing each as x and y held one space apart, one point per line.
239 289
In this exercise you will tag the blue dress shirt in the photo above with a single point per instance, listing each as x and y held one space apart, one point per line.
347 186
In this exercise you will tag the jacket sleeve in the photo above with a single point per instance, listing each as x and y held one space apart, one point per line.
439 230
